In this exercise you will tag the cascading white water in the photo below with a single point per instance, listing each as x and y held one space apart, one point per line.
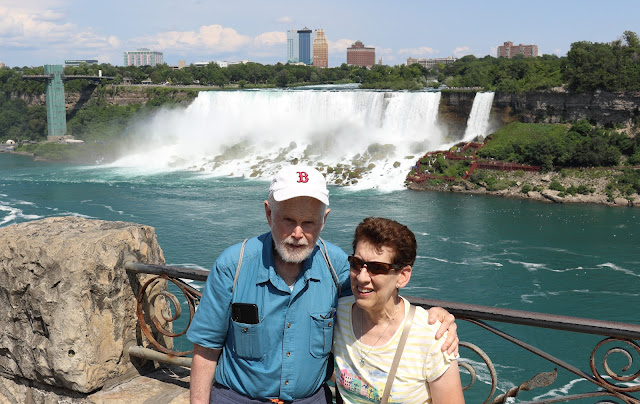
478 122
252 133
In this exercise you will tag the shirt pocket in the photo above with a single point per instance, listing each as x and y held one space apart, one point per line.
321 335
246 340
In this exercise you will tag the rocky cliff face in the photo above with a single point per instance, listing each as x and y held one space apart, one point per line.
114 96
455 107
600 108
68 305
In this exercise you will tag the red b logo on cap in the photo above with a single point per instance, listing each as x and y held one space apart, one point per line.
303 177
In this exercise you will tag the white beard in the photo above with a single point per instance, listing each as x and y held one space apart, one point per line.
291 255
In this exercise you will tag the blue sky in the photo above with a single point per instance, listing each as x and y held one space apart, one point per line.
37 32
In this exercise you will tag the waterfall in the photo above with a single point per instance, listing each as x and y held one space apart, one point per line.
478 122
366 139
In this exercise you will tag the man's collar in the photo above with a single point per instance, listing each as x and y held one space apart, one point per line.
308 270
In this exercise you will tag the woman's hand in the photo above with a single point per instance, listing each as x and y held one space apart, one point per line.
447 319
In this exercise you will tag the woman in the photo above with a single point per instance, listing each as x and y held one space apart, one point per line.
370 323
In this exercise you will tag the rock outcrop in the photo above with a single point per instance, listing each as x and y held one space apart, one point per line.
599 107
68 305
539 187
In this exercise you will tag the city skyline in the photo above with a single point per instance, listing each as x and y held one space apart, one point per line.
37 32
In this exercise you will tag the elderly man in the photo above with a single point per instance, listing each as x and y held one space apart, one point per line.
264 327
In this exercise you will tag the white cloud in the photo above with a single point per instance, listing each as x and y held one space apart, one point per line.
284 20
19 27
270 39
213 38
465 50
114 41
340 46
45 33
422 51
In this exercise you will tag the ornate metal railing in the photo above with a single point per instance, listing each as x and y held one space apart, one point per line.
619 340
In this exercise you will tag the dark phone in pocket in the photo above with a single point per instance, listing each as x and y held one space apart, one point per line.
246 313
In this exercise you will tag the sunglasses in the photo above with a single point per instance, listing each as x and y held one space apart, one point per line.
374 268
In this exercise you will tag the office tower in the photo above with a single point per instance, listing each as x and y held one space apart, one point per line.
320 49
359 55
304 41
142 57
293 46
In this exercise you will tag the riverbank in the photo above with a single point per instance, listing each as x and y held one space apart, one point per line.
584 185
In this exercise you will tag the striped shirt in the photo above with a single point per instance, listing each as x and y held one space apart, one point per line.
422 360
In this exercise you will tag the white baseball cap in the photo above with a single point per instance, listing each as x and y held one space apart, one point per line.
294 181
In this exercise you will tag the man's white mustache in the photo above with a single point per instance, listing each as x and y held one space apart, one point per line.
297 243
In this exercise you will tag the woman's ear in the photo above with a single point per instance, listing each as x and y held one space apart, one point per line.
404 276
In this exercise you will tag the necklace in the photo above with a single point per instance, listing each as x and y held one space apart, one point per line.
362 354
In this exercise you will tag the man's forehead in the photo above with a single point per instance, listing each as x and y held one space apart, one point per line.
301 204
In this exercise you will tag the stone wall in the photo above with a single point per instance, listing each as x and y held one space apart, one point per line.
68 305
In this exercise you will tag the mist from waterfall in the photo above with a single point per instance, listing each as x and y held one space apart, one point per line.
478 122
253 133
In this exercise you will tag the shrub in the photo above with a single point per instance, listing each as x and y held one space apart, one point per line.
493 184
556 186
526 188
585 190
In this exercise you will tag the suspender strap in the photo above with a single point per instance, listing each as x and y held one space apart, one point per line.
325 255
396 359
235 278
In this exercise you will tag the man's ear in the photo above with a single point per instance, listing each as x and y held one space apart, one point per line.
267 212
324 219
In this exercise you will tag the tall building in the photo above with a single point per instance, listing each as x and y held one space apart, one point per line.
320 49
508 50
304 48
431 63
293 46
142 57
359 55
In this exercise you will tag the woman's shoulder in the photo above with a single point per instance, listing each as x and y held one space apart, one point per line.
421 322
344 304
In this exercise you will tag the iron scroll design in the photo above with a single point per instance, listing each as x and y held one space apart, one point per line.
174 275
192 297
612 386
544 379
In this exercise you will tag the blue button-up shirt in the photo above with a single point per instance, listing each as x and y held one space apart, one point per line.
284 355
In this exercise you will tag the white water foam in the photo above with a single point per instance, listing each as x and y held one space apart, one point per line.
617 268
252 133
478 122
11 213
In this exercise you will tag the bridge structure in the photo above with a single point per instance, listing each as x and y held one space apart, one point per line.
56 112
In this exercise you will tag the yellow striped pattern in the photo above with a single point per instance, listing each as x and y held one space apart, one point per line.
422 360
